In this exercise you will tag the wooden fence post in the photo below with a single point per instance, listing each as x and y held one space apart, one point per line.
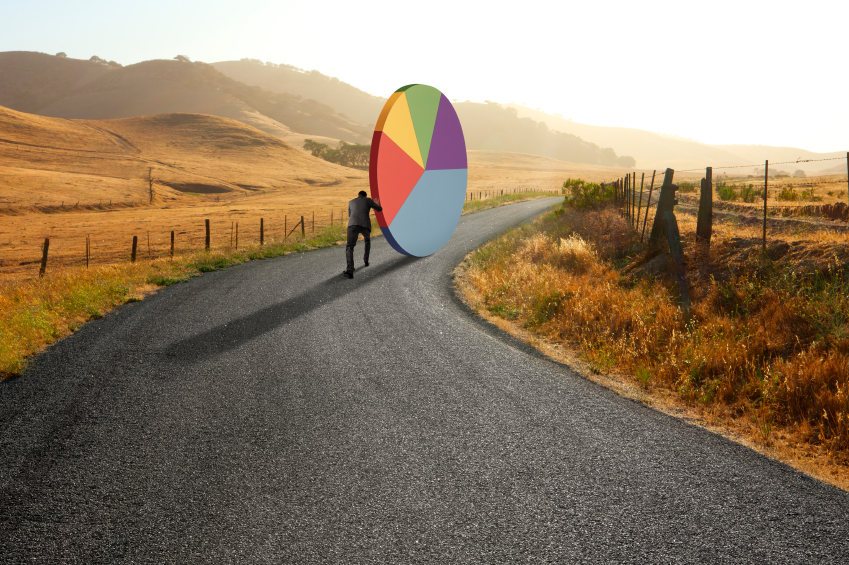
232 223
648 206
665 202
673 237
262 231
302 227
87 249
44 250
766 182
149 254
135 248
640 205
704 223
622 195
285 227
172 243
237 235
313 221
207 235
634 190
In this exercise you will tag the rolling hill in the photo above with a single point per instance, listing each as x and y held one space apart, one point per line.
486 126
53 159
70 88
348 100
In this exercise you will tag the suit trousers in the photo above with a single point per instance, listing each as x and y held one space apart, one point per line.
353 233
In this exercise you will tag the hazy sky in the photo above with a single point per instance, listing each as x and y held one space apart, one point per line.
770 72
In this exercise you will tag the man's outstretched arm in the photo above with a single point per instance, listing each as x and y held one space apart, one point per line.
375 204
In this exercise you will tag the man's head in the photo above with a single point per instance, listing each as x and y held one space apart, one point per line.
362 194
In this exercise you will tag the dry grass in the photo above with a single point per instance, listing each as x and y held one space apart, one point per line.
68 179
766 347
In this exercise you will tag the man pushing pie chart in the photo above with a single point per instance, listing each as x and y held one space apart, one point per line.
418 170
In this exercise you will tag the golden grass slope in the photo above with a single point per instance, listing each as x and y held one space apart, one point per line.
53 160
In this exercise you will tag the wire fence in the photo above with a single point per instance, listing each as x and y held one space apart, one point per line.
629 198
111 244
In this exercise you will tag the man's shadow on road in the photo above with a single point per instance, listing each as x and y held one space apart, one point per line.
236 332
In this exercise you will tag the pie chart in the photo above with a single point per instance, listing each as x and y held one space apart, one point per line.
418 170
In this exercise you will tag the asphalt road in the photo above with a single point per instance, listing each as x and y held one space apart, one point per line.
278 413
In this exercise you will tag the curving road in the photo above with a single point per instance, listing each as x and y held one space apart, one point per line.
278 413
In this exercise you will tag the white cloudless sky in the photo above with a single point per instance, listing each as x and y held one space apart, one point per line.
743 71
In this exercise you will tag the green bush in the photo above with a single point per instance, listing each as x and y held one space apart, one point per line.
725 191
687 187
749 194
789 194
582 194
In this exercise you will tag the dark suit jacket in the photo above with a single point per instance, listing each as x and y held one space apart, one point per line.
358 211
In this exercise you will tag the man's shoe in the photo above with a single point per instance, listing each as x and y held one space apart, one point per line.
348 274
366 263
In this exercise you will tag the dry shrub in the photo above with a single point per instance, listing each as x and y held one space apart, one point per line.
574 254
571 253
763 342
815 389
605 228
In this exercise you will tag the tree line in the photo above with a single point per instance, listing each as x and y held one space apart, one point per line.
352 155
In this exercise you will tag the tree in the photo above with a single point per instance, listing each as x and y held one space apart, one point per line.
317 149
607 157
96 59
114 65
353 155
62 55
182 59
626 161
799 173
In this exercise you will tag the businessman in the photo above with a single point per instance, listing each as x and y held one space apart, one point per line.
359 222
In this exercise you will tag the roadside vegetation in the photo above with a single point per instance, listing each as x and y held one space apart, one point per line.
766 344
35 313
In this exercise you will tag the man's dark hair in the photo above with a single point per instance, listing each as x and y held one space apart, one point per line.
362 194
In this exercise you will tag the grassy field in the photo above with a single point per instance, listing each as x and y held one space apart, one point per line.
111 180
764 353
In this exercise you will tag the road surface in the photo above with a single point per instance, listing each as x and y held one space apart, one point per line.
277 412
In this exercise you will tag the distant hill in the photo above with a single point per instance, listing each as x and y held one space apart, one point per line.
347 100
69 88
493 127
656 151
486 126
32 81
